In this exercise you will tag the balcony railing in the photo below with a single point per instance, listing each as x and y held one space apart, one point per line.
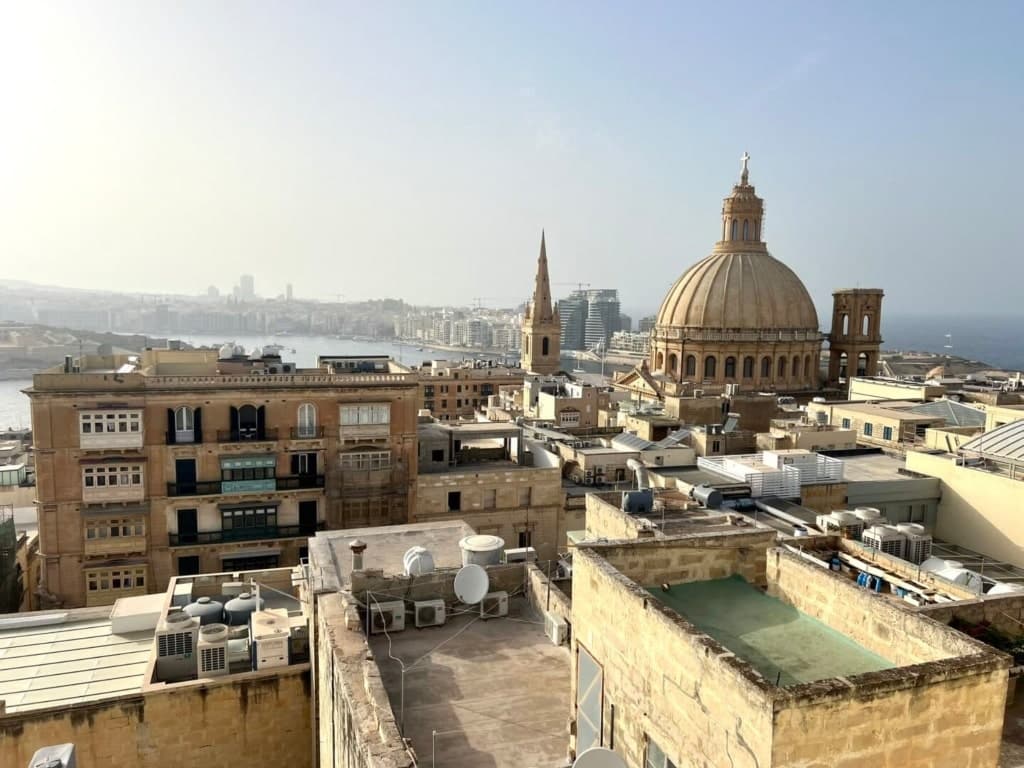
307 433
109 440
245 436
265 485
115 545
244 534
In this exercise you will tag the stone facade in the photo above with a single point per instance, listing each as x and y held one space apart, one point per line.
542 327
856 337
451 393
253 718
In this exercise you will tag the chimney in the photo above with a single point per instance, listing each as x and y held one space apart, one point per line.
357 547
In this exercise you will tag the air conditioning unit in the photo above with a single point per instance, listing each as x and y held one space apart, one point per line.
176 640
387 617
556 628
429 613
213 650
56 756
521 555
886 539
269 632
493 605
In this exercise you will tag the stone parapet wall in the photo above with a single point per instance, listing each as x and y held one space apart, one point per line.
545 596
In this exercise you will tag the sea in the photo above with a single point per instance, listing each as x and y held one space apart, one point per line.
994 339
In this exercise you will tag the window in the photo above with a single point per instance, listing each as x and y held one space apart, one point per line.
656 756
782 368
730 367
691 365
454 501
868 428
307 420
428 390
846 324
716 446
244 518
365 460
188 565
113 422
248 473
428 404
589 700
544 346
735 228
865 325
766 367
358 415
846 423
524 538
525 497
444 404
710 367
569 417
112 475
748 367
250 563
887 433
796 366
437 454
114 528
119 579
746 229
490 498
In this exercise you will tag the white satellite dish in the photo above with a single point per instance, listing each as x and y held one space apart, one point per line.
471 584
598 757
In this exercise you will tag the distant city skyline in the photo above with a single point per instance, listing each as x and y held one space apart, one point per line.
394 150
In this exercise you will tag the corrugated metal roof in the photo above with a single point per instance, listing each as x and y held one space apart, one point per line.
65 663
629 442
1005 442
956 414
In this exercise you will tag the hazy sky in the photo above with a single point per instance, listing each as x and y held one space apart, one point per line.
415 150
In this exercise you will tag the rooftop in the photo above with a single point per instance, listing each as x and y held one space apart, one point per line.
496 692
1005 443
873 467
785 645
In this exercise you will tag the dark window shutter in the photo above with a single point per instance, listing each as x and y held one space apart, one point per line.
311 463
170 426
261 422
295 463
197 422
233 422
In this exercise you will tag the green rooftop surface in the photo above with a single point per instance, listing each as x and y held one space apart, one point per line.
786 646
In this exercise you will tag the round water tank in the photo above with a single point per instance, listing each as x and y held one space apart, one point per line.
867 514
481 549
708 496
209 611
417 561
239 609
214 633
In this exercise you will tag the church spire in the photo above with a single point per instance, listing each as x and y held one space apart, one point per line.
540 307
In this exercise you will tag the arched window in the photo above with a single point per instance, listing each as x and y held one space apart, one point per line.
746 229
183 419
808 371
735 229
673 363
862 364
659 361
796 367
248 422
710 365
757 229
544 345
865 325
766 368
846 324
843 361
725 224
748 367
691 365
307 420
782 368
730 367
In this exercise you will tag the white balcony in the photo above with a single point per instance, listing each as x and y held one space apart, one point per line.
104 493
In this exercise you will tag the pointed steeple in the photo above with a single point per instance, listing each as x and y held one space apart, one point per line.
540 308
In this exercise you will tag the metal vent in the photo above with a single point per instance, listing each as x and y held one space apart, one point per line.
212 659
177 644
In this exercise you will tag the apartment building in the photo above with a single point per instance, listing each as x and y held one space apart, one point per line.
178 462
453 391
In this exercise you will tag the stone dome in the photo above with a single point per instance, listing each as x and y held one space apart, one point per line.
739 291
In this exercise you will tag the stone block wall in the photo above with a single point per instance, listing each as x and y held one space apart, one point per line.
1004 612
665 681
439 584
545 596
255 718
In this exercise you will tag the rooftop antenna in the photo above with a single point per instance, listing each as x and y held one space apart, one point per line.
471 584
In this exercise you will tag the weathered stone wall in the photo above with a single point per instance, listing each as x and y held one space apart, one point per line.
545 596
666 681
1004 612
878 623
695 557
357 727
430 586
255 718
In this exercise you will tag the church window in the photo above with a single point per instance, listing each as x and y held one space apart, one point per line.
544 346
846 324
746 229
766 368
808 371
782 368
735 229
748 367
796 366
865 325
710 364
730 367
691 365
673 363
757 229
659 361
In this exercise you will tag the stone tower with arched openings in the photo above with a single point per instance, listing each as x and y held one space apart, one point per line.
856 337
542 328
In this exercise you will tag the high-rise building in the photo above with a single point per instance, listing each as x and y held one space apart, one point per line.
541 326
625 322
246 288
647 323
288 292
589 318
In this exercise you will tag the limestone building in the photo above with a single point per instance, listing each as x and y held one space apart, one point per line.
452 391
199 461
541 324
856 337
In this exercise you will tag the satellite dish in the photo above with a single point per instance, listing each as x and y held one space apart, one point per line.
471 584
599 757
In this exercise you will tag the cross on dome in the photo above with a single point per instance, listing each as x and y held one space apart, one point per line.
744 174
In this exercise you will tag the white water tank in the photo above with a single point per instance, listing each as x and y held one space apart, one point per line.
481 549
417 561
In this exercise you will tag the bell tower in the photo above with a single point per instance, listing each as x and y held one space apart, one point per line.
856 337
542 328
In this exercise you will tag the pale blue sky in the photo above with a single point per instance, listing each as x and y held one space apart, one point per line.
415 150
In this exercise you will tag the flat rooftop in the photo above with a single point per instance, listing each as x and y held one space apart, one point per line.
786 646
873 467
496 691
61 658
